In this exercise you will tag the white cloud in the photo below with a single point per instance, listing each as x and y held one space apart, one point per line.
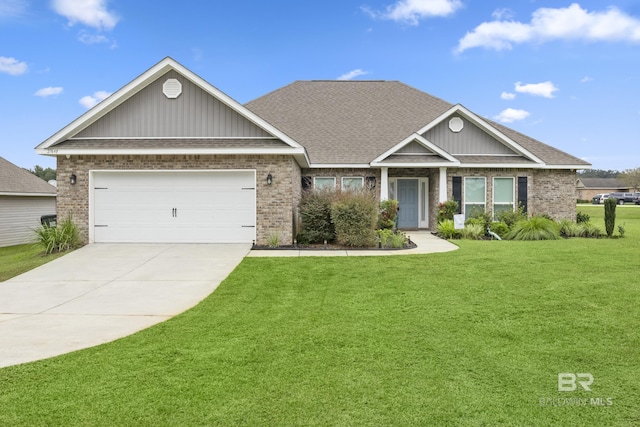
92 13
586 79
504 13
353 74
508 96
412 11
544 89
569 23
12 66
91 101
87 38
49 91
12 8
511 115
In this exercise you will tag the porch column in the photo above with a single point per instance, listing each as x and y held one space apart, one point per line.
442 188
384 184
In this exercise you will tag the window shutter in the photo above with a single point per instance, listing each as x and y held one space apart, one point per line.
522 192
457 191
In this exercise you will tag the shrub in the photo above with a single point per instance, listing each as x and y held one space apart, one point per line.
354 215
571 229
315 215
398 240
535 228
511 217
480 215
500 228
610 215
447 229
590 230
388 215
390 239
622 229
447 209
274 240
473 232
60 238
582 217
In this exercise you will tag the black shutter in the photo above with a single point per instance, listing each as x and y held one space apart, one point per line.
457 191
306 182
522 192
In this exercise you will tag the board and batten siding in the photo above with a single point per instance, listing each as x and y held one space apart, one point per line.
470 140
19 215
193 114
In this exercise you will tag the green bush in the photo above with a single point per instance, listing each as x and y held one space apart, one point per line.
60 238
582 217
355 215
535 228
480 215
590 230
511 217
447 230
315 215
622 229
390 239
500 228
388 215
571 229
610 215
473 232
447 209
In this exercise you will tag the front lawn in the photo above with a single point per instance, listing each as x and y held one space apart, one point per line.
472 337
15 260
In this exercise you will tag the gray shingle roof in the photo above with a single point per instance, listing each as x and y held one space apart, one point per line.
353 122
14 179
604 183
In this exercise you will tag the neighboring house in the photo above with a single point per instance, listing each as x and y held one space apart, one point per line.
170 158
24 198
587 188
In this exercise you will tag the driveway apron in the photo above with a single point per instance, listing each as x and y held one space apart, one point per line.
103 292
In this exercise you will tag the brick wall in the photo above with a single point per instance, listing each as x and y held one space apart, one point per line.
275 203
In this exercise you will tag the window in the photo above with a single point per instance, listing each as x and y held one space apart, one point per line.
474 196
352 183
503 196
323 183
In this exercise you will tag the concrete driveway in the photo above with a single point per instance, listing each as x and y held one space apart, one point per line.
102 292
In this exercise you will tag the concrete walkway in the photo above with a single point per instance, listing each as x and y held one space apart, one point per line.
103 292
426 243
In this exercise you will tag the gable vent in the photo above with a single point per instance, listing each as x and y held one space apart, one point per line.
456 124
172 88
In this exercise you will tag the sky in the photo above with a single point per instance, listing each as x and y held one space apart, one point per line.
566 73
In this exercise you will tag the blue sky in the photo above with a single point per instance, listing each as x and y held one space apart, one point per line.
565 73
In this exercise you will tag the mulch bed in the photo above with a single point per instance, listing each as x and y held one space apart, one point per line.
330 247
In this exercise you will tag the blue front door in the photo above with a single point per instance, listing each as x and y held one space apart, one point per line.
408 202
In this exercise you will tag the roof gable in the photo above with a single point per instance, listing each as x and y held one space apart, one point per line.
195 113
140 109
16 181
416 149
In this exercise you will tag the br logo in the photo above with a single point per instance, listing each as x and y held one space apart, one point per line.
567 381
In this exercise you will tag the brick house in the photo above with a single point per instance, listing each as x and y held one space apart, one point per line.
170 158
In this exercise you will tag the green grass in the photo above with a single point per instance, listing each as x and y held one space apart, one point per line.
474 337
15 260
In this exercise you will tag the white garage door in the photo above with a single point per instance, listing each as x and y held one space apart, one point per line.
173 207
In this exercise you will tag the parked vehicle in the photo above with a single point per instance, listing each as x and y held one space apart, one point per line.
623 198
636 198
599 198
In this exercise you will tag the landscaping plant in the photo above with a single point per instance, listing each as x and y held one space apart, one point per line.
535 228
447 230
315 215
388 215
60 238
355 215
447 209
610 216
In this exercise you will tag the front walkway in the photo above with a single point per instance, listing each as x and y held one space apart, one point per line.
426 243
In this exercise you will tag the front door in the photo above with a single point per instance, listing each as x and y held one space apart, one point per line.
408 202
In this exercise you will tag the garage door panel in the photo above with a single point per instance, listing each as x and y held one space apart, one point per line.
183 207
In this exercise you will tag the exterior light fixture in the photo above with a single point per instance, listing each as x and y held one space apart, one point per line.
269 179
72 179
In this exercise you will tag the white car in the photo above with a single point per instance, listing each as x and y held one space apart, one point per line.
599 198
